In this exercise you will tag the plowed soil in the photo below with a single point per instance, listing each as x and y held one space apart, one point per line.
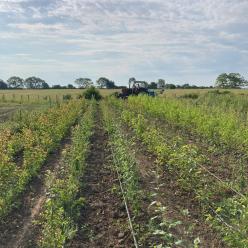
104 221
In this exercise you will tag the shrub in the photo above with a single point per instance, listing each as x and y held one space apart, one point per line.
218 92
190 95
92 92
67 97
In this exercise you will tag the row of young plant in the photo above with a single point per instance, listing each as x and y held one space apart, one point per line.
225 129
24 149
225 100
157 230
123 160
228 214
63 205
229 164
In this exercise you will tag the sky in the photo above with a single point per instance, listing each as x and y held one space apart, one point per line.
181 41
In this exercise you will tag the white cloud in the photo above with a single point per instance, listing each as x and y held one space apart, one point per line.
38 27
130 34
11 6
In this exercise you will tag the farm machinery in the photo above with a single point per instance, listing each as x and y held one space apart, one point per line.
137 88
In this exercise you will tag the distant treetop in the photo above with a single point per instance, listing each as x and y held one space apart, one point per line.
231 80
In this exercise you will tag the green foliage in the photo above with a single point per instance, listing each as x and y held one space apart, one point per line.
218 92
104 82
38 134
67 97
224 128
92 93
231 80
190 95
15 82
123 160
162 227
234 213
84 82
3 85
170 86
63 205
35 83
186 162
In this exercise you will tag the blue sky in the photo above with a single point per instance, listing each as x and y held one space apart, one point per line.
182 41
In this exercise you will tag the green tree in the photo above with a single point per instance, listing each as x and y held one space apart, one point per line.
45 85
152 85
3 85
110 84
104 82
57 86
35 83
70 86
84 82
170 86
231 80
15 82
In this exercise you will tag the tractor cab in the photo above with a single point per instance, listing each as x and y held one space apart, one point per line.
135 88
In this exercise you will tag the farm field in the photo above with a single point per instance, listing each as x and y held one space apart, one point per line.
44 94
164 171
180 92
12 102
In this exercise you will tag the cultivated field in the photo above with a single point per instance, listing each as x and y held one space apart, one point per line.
168 171
14 101
180 92
42 95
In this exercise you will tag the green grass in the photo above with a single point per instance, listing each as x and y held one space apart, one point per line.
12 101
41 95
180 92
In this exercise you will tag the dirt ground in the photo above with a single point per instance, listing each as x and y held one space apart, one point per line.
104 221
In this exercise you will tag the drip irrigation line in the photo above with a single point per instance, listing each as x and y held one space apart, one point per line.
217 178
126 205
224 222
220 180
228 187
218 216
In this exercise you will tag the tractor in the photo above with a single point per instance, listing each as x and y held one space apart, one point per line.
137 87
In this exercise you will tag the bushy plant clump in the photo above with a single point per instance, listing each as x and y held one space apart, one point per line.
92 93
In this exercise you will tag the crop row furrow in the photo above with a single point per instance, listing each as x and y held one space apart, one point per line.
186 162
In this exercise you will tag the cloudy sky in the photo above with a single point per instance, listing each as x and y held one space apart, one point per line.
182 41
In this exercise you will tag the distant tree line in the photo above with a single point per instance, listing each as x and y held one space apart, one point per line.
38 83
19 83
161 84
224 80
102 83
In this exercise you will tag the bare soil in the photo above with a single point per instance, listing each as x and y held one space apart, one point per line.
175 200
5 115
104 221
